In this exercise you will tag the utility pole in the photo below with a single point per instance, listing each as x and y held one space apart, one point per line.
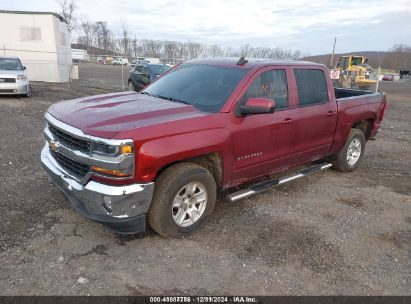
378 79
332 56
122 72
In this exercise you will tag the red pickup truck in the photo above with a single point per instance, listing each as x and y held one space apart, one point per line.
206 125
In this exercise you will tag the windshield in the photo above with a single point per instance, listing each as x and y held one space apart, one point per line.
158 69
206 87
10 64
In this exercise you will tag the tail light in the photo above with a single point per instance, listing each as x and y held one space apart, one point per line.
382 112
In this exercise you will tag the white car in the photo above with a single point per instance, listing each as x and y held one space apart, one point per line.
119 61
13 77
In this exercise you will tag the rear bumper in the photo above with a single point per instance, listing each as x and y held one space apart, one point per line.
120 208
19 87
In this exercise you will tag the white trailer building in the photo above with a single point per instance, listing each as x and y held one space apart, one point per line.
41 40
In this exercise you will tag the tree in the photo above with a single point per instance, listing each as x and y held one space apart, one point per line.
135 47
215 51
195 49
125 40
152 48
87 29
401 48
103 36
171 50
245 50
68 11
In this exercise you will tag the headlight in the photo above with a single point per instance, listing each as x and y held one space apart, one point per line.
105 149
118 154
111 150
21 77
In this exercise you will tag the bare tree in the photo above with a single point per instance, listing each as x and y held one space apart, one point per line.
245 50
195 49
87 28
103 36
182 52
171 50
135 47
97 38
68 11
152 48
230 52
125 40
260 52
215 51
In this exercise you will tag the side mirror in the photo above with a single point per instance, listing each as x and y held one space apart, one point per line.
257 106
24 68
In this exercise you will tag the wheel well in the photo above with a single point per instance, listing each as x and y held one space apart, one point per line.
212 162
365 126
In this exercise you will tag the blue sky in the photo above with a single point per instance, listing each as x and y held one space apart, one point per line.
294 24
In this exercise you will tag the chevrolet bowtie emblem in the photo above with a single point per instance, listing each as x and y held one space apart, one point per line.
54 146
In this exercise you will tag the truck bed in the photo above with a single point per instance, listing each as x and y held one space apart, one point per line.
341 94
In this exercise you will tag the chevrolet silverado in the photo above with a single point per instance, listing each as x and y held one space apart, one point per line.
160 156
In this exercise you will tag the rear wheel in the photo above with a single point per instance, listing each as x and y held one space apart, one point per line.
352 153
184 196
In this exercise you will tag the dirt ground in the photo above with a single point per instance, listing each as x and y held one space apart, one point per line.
327 234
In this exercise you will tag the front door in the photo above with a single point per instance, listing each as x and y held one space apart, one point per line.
262 142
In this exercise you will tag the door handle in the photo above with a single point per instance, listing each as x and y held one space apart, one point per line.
287 121
330 113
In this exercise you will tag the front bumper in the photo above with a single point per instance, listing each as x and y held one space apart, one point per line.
120 208
19 87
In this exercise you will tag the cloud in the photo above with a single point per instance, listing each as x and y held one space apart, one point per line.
234 22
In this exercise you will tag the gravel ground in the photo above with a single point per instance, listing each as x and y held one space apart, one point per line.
327 234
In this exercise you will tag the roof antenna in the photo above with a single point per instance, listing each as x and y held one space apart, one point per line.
242 61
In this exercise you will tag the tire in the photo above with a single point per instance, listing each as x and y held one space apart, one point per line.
28 94
351 154
167 216
131 86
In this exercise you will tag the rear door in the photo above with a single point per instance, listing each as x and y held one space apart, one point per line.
315 117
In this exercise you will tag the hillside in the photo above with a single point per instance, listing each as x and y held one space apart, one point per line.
385 60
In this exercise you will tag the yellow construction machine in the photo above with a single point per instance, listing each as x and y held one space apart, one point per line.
354 72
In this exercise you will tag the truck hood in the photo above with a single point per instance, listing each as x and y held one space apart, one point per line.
106 115
11 73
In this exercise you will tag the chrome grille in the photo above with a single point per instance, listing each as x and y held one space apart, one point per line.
7 80
74 168
70 141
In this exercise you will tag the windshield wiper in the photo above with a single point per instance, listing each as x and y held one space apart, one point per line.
171 99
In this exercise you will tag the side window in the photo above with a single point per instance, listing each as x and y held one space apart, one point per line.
271 84
138 68
311 87
145 70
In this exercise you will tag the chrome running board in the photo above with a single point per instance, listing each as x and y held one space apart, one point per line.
265 185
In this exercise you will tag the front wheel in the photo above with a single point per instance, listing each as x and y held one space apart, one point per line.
28 94
184 196
352 153
131 86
